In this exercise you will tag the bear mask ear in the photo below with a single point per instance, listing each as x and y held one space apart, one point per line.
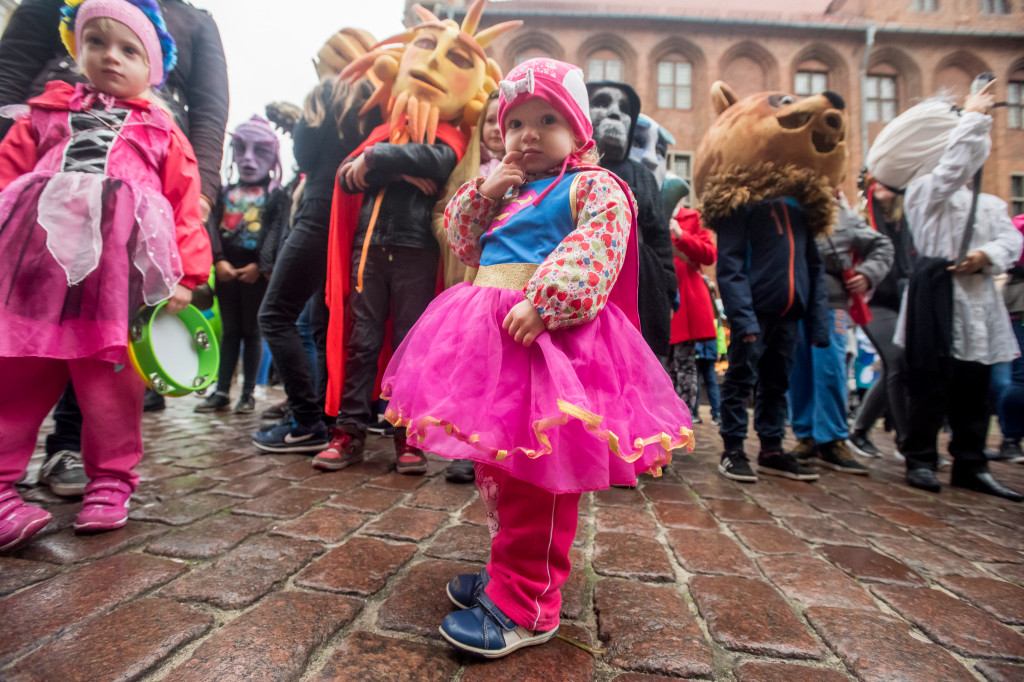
722 96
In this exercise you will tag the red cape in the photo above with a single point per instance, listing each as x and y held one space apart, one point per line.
344 225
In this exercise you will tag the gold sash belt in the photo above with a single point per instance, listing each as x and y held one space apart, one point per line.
505 275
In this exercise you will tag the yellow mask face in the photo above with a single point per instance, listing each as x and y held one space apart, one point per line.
438 68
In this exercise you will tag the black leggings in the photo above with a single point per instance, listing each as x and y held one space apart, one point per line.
239 305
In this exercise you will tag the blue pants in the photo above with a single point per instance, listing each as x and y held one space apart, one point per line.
817 384
706 375
1010 398
763 364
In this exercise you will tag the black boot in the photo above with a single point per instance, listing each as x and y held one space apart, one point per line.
923 478
980 480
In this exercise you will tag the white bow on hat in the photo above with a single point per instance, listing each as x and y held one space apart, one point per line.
510 89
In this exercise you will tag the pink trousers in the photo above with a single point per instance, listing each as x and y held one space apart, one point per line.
111 403
531 534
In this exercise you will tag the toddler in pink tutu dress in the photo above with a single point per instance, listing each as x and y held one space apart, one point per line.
537 370
99 214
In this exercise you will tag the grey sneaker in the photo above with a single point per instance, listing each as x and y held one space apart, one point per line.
245 405
215 402
63 472
862 445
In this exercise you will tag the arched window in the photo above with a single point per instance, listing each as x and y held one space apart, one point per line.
604 65
675 78
881 95
531 53
811 78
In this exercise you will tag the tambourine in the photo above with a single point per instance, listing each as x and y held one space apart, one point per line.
175 354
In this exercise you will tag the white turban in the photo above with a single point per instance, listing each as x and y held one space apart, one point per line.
912 143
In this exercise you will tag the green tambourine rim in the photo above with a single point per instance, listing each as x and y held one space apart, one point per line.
146 363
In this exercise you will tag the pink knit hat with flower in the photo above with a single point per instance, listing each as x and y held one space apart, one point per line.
559 84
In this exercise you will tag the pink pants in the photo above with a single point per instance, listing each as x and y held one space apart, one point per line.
111 403
531 534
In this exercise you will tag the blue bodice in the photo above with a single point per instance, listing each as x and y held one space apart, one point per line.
524 233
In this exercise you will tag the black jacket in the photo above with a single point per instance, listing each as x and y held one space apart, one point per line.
405 211
658 287
225 246
196 91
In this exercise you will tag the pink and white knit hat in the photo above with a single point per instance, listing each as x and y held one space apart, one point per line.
559 84
135 19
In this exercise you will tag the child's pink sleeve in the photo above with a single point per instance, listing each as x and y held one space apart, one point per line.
17 152
572 285
180 178
466 217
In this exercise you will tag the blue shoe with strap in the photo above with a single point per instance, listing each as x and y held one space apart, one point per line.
464 588
485 630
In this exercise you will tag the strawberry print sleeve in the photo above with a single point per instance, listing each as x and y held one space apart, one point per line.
466 217
572 285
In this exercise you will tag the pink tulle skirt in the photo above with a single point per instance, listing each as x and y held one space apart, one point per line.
580 409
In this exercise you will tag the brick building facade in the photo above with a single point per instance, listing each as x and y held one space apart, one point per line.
882 56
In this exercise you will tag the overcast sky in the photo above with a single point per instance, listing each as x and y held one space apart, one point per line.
270 46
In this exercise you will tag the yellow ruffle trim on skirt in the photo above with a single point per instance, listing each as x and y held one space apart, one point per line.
592 422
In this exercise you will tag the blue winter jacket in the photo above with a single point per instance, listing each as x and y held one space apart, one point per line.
768 266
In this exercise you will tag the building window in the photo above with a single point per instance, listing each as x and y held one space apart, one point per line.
1017 193
807 83
924 5
681 163
674 81
880 104
995 7
604 66
1015 104
531 53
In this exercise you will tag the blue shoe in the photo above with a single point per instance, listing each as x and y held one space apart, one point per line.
291 436
464 589
485 631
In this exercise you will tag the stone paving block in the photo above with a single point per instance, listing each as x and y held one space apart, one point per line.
949 513
825 531
557 657
18 573
154 471
324 524
397 481
244 574
35 615
685 516
658 492
926 558
858 497
360 566
184 510
953 623
867 565
440 494
210 461
120 645
169 488
463 542
756 671
240 469
369 656
829 504
68 548
995 533
208 538
1012 572
763 538
369 500
252 486
418 603
629 556
620 497
785 506
972 547
1003 600
475 513
334 481
717 489
621 520
403 523
813 582
640 677
273 641
733 510
296 471
575 586
1000 672
908 518
855 636
709 552
627 615
868 524
748 615
283 504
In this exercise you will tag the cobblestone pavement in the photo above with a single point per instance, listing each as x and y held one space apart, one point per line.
236 565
